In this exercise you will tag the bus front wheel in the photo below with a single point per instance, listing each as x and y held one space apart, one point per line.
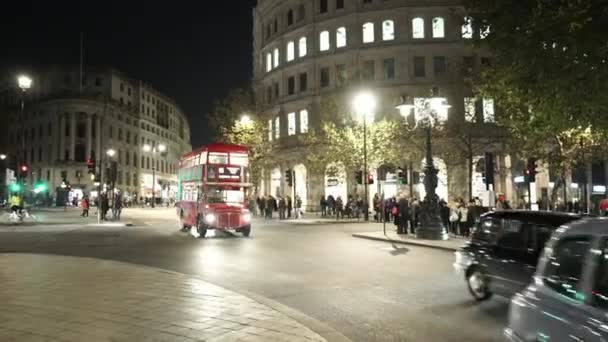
246 231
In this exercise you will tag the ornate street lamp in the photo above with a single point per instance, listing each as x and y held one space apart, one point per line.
364 105
428 113
25 83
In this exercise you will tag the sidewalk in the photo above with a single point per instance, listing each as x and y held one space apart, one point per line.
453 244
58 298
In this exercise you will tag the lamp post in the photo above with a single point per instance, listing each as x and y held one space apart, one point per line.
431 112
25 83
364 105
161 148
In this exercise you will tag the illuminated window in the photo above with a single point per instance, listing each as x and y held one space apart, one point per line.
269 130
484 32
469 109
302 47
368 33
268 62
324 41
291 124
418 28
341 37
290 51
276 57
304 121
438 27
388 30
277 127
488 110
467 28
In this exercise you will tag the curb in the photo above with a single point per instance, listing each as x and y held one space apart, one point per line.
52 224
318 327
402 242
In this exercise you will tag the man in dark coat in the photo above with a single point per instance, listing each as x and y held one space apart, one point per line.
404 214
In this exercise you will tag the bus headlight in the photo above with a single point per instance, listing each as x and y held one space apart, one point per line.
247 218
210 218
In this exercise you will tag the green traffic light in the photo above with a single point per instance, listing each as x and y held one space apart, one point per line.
40 187
15 187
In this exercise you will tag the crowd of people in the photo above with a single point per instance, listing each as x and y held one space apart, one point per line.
353 208
286 207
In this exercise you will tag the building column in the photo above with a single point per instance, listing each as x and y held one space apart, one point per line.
98 133
73 136
89 137
62 136
509 189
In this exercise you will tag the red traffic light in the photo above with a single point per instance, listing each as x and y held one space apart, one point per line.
24 168
90 161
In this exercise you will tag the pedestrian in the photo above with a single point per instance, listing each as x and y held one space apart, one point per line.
463 227
338 207
289 206
282 208
323 205
298 213
84 203
445 213
262 206
454 218
117 206
414 213
359 207
376 203
331 205
104 206
403 214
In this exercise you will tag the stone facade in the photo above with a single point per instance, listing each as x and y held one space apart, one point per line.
65 125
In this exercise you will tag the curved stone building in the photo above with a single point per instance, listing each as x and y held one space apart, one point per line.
66 123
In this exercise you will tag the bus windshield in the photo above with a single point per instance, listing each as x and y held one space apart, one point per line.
223 195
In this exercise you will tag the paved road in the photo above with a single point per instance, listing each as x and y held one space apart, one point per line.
369 291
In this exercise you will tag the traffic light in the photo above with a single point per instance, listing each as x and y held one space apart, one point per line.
370 179
530 172
23 169
289 177
40 187
91 165
402 175
15 187
359 177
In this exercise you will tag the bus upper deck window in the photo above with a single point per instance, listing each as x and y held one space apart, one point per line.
218 158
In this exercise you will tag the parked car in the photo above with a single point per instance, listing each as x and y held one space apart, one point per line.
568 299
504 250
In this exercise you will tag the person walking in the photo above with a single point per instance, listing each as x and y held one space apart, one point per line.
338 207
282 208
84 204
298 213
270 202
403 214
323 205
289 206
377 205
414 213
262 206
117 206
331 205
463 213
454 218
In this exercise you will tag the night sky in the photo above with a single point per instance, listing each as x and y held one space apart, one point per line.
193 51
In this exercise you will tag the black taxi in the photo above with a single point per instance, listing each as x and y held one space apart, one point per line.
502 255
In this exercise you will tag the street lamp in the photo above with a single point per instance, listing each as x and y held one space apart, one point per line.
111 152
364 105
24 83
162 149
431 111
2 156
246 120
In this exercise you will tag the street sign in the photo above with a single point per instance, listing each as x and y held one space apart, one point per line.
332 182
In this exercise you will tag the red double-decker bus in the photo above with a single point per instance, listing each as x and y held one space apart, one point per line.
213 187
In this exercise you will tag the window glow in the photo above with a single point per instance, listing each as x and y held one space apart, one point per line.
291 124
488 110
276 57
277 127
483 33
438 28
341 37
324 41
418 28
302 47
467 28
388 30
304 121
269 130
291 53
469 109
368 33
268 62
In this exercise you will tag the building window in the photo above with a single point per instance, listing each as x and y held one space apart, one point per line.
291 47
469 109
276 25
291 124
303 82
388 30
341 37
269 130
439 65
389 68
291 85
341 75
417 28
438 27
277 127
323 6
467 28
268 62
268 94
419 67
488 110
129 91
484 32
289 17
368 33
276 57
324 41
468 64
339 4
369 71
324 77
303 121
302 47
127 157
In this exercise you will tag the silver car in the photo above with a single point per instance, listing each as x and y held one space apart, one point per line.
568 297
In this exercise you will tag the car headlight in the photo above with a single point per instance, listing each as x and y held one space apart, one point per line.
247 217
210 218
